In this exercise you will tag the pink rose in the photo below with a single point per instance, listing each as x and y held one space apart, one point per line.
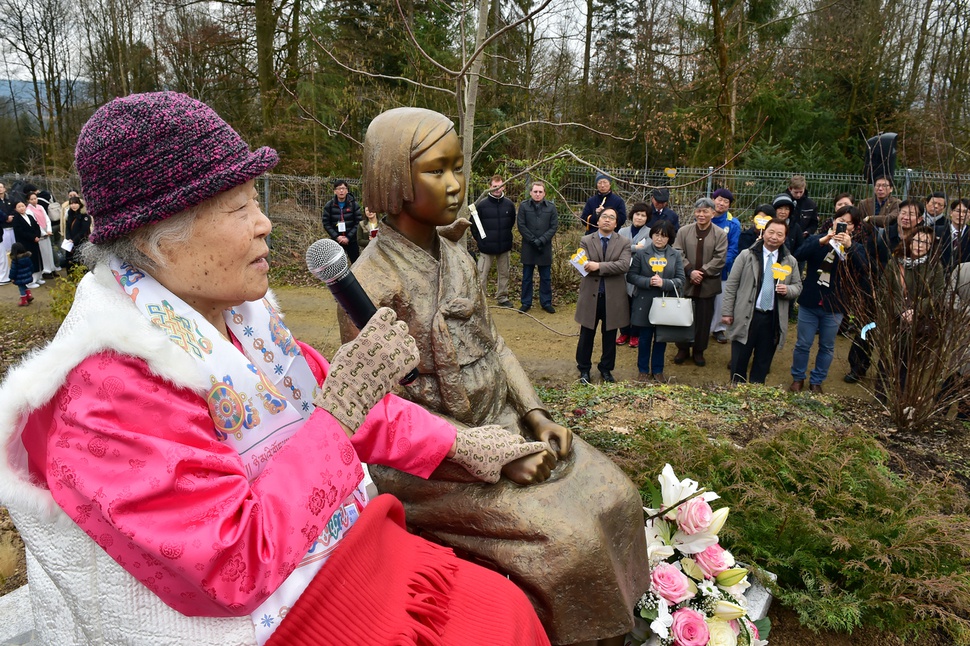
753 629
694 516
714 560
689 628
670 583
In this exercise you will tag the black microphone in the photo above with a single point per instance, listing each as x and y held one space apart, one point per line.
326 260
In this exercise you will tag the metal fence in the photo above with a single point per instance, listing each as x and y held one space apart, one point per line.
296 202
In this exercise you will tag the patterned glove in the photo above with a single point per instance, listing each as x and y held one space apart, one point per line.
484 450
365 369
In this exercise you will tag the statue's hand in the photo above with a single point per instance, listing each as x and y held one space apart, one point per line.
531 469
559 438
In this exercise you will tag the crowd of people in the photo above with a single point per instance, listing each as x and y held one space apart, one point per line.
31 222
746 285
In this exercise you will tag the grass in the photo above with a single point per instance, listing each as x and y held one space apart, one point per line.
854 538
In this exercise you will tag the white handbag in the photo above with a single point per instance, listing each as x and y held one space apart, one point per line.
675 312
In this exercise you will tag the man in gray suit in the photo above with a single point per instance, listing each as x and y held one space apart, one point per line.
537 221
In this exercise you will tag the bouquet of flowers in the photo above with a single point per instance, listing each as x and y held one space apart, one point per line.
696 595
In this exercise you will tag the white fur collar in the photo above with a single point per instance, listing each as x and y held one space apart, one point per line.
102 318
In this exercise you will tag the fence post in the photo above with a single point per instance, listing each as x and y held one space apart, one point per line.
710 180
908 181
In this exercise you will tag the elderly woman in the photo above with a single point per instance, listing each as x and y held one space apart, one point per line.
574 543
181 469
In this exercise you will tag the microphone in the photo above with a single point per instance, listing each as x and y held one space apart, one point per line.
326 260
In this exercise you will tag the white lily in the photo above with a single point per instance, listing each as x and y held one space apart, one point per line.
673 491
658 541
727 611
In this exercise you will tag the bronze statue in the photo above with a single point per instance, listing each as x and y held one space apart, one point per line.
574 543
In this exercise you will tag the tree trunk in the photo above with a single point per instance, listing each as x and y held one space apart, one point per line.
265 33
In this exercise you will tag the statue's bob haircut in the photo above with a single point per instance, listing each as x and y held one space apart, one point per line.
394 139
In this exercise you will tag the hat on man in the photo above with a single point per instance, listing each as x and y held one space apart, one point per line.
146 157
662 195
600 176
723 192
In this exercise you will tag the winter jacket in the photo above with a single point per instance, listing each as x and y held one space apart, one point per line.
609 201
640 274
887 212
732 227
805 214
537 222
744 288
714 255
666 213
22 270
350 215
641 238
834 297
497 216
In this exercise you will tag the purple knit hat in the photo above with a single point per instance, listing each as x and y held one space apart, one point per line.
723 192
145 157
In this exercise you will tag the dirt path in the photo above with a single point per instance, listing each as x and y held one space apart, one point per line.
546 344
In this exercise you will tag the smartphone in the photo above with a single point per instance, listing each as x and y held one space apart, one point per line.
840 227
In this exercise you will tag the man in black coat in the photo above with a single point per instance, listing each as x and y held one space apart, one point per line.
660 211
537 221
604 198
341 215
496 213
953 237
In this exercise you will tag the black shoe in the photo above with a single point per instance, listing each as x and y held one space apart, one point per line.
720 337
549 308
584 378
682 356
607 376
505 303
525 308
851 378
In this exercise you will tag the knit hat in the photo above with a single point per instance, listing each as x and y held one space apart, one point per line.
784 200
146 157
767 209
600 176
723 192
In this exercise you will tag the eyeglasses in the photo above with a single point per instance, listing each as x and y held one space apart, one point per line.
883 185
608 217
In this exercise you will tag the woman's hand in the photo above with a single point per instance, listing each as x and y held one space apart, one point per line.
844 239
559 438
907 316
656 281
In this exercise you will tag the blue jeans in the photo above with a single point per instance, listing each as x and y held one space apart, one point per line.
647 361
812 321
545 285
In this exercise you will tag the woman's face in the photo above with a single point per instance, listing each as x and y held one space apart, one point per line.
75 206
847 218
921 244
639 218
370 214
21 208
843 201
224 262
438 182
659 240
32 199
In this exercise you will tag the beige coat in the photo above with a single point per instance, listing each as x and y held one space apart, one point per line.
612 270
744 286
715 257
887 214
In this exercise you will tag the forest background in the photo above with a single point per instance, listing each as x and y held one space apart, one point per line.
783 85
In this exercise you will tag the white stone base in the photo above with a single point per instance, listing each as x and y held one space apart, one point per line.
17 627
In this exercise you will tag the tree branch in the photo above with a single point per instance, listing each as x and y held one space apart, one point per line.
548 123
309 116
378 76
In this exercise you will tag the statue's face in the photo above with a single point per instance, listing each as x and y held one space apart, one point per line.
438 179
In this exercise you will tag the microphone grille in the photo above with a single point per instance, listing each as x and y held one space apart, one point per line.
326 260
